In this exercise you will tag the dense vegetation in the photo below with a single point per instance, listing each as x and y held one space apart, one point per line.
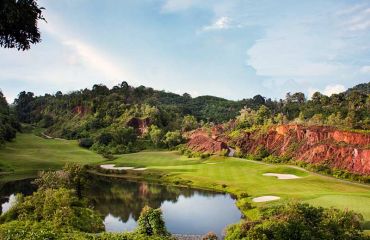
127 119
8 123
299 221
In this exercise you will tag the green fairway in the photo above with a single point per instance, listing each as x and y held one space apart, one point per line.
238 175
28 154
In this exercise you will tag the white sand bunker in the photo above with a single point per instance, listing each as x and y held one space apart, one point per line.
112 167
139 169
281 176
211 163
265 198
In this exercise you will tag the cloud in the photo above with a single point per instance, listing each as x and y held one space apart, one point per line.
357 18
222 23
328 90
291 50
365 69
84 54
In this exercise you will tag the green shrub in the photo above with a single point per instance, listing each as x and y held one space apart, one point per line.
299 221
85 142
151 222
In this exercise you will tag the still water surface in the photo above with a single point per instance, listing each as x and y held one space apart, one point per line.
185 210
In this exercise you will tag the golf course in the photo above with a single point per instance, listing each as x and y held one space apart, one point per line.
28 154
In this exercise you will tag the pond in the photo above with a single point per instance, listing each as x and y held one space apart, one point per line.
185 210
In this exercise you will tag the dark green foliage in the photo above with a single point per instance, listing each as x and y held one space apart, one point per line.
73 176
21 230
59 208
8 123
338 173
300 221
151 222
18 23
172 139
85 142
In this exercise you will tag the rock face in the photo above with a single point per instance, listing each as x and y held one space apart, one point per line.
317 145
140 125
211 142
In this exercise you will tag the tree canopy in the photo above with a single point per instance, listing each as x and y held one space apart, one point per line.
18 23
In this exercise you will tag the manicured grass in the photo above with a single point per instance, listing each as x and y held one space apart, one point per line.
28 154
238 175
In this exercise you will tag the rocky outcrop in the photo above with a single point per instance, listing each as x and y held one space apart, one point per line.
139 124
317 145
312 144
211 141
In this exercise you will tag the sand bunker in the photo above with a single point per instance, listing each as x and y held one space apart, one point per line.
281 176
211 163
112 167
265 198
139 169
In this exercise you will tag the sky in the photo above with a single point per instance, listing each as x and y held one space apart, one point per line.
228 48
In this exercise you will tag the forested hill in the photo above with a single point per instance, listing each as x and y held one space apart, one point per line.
117 116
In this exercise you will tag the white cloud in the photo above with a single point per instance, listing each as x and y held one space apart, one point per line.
84 54
358 19
365 69
328 90
220 23
291 50
332 89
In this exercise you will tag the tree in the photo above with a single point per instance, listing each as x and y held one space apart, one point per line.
18 23
151 222
300 221
173 139
124 136
155 134
189 122
60 207
262 115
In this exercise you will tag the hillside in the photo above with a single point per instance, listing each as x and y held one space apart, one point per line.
127 119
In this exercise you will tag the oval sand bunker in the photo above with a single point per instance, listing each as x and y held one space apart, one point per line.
112 167
265 198
281 176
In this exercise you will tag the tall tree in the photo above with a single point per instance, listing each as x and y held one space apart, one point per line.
18 23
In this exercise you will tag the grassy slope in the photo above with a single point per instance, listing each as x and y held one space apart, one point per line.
246 176
29 153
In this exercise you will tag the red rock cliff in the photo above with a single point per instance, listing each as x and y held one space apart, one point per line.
318 145
315 144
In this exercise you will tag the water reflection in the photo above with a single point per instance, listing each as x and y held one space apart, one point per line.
10 189
186 211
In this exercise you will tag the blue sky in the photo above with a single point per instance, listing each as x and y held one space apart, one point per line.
229 48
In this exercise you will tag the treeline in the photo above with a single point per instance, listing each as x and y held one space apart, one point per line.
125 118
8 123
